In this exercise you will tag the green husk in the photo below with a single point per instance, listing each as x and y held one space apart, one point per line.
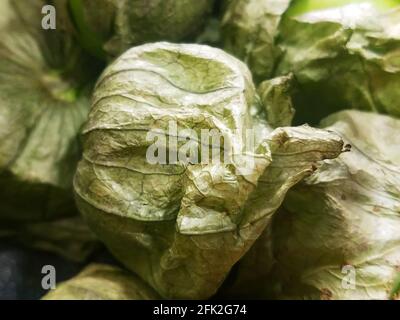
102 282
343 57
44 99
6 13
182 226
109 27
250 30
338 233
276 95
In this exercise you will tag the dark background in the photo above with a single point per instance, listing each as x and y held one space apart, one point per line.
21 270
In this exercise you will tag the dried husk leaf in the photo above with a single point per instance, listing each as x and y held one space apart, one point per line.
182 226
338 233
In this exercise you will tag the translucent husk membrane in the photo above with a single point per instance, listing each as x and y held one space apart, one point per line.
45 83
343 54
337 235
182 226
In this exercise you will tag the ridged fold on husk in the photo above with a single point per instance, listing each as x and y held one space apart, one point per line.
337 235
182 226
